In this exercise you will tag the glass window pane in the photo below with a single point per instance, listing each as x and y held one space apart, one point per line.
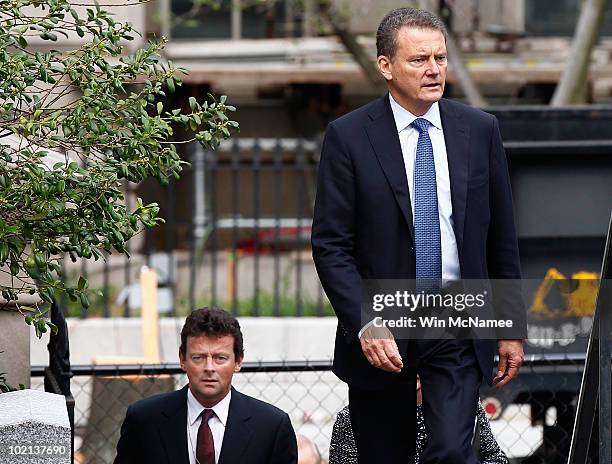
558 17
206 24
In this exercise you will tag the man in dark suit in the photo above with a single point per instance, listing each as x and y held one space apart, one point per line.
413 186
208 421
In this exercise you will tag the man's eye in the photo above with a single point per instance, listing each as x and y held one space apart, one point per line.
441 58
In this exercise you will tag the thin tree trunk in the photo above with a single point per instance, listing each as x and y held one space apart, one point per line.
464 78
570 89
340 26
455 58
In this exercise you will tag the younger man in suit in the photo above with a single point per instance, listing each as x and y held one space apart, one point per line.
208 421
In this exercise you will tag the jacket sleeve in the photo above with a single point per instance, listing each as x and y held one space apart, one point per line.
503 263
285 444
127 444
333 233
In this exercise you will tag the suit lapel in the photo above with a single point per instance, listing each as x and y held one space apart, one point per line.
237 431
173 428
456 137
384 138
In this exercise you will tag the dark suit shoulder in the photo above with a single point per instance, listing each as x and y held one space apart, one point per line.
360 115
156 403
258 407
473 115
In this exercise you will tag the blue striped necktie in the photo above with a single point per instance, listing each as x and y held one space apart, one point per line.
426 219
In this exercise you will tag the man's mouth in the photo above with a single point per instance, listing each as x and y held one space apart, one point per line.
432 86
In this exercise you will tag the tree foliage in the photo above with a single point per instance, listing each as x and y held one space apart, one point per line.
100 116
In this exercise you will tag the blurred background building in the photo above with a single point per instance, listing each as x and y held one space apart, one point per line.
238 221
237 230
285 61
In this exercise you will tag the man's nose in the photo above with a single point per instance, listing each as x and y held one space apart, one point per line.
433 68
209 364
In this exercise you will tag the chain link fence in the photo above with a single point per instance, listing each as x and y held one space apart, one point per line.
531 418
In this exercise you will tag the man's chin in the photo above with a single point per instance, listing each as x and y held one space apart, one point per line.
436 90
432 97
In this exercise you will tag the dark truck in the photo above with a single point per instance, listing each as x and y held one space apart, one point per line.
561 171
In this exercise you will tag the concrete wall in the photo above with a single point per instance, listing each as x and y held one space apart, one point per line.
265 339
14 348
508 13
365 15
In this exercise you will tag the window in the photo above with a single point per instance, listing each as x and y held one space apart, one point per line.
558 17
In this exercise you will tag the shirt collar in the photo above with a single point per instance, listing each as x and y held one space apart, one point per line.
403 118
195 408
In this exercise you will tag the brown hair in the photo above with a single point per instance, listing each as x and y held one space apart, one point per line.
214 322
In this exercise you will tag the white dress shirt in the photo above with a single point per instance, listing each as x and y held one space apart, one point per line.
216 423
409 137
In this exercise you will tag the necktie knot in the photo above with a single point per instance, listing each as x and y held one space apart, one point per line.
421 124
207 414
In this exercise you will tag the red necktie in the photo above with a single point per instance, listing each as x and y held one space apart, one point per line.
205 449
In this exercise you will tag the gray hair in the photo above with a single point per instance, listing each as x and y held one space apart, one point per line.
386 35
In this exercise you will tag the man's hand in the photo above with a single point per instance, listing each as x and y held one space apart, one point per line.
380 349
510 361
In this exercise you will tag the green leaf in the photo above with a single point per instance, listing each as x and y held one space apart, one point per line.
84 300
40 260
82 283
49 36
41 327
160 107
170 84
53 327
4 252
193 103
14 267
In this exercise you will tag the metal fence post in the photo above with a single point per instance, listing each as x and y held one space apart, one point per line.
199 216
595 392
58 374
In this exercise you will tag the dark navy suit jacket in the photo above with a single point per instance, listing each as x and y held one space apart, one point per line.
363 226
155 431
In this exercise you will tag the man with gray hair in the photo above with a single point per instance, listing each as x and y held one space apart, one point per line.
414 186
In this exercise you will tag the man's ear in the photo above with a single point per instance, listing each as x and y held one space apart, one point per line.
182 360
238 365
385 67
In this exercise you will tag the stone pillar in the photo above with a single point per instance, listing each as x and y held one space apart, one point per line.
14 347
34 428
